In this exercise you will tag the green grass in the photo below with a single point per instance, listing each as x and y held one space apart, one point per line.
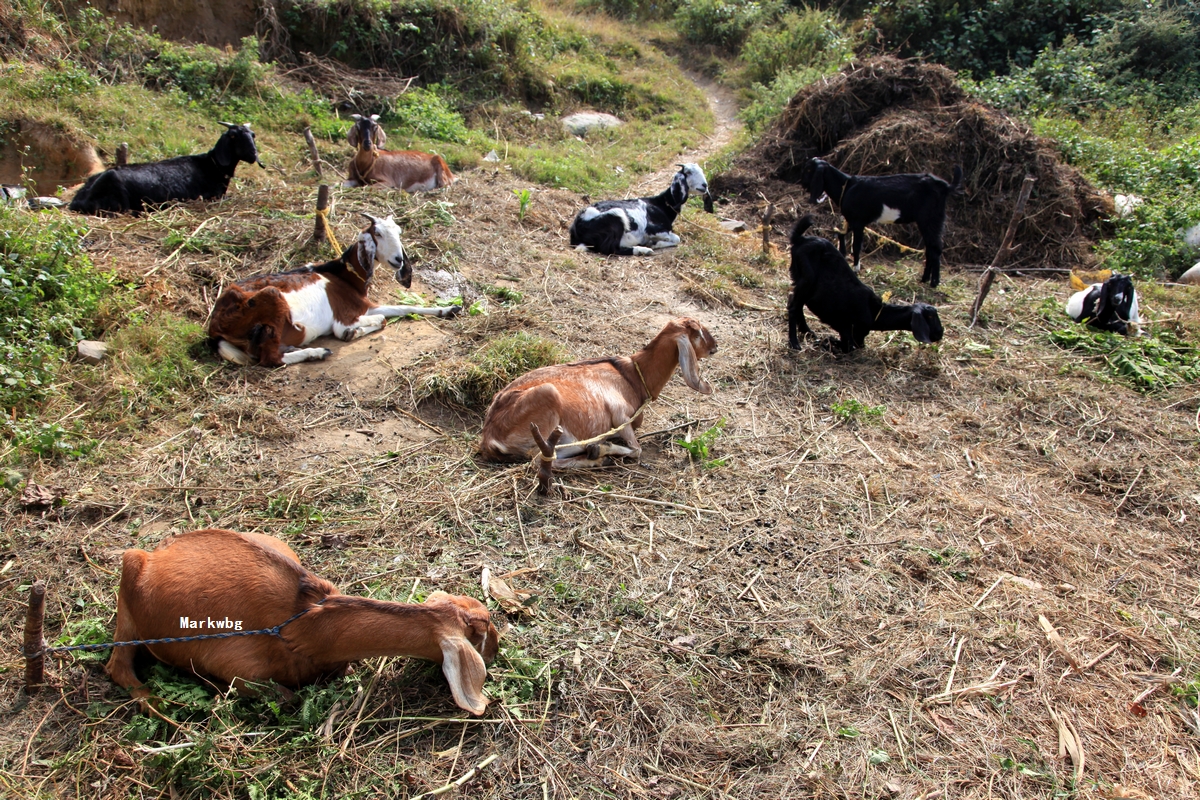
1146 363
473 381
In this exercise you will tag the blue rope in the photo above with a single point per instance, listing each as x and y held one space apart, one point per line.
276 631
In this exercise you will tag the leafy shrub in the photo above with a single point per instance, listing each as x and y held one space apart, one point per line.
205 73
725 23
425 112
632 9
770 99
699 447
985 37
50 296
808 38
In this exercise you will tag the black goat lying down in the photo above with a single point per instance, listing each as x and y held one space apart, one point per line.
640 226
205 176
864 200
1109 306
823 281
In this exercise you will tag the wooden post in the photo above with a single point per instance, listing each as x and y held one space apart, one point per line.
122 154
989 274
312 151
322 210
34 664
766 228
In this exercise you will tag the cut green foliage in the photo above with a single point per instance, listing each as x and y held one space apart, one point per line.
1146 363
473 381
699 447
854 409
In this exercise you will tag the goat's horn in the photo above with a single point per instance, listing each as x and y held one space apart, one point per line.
246 125
229 125
368 216
356 117
375 117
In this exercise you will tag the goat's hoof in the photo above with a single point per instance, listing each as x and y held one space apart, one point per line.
325 353
643 251
451 311
593 451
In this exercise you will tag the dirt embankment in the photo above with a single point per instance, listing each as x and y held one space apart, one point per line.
215 22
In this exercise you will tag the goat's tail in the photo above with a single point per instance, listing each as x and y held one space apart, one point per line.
956 186
804 223
442 172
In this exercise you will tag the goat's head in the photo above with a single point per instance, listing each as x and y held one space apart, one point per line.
926 324
694 176
236 144
1116 303
241 316
469 642
813 179
366 133
380 241
694 342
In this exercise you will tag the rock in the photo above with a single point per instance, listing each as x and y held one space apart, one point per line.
733 225
92 352
1126 203
1192 235
1192 276
46 202
586 121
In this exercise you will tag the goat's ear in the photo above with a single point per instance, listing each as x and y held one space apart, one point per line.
920 326
366 250
352 134
464 670
380 135
689 365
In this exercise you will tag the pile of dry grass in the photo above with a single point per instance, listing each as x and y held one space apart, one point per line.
887 115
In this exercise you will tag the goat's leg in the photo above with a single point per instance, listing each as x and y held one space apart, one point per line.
857 233
933 255
546 462
442 312
665 239
295 355
797 324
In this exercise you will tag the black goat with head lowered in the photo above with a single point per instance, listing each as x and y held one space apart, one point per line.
823 281
204 176
863 200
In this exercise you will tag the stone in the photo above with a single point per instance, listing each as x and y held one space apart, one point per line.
92 352
584 122
733 225
1192 276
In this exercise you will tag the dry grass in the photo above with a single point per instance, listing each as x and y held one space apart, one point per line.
848 609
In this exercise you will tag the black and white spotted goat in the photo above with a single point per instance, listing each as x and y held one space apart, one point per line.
1109 306
823 281
640 226
867 199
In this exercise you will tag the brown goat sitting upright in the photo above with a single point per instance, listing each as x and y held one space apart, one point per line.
589 398
217 580
410 170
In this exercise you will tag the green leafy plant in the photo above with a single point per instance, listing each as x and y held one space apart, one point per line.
854 408
474 380
523 197
699 447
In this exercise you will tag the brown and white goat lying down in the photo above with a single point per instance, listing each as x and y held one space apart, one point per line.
257 581
589 398
410 170
269 319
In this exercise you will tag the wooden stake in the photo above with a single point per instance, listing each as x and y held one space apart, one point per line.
34 664
766 228
989 274
322 208
312 151
546 462
122 154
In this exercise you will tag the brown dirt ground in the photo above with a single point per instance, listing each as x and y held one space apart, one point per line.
846 609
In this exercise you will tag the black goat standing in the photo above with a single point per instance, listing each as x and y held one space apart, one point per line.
823 281
864 200
205 176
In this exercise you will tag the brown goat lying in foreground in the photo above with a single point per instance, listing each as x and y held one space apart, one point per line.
248 581
588 398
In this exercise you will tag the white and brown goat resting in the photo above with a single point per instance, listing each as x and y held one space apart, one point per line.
410 170
269 319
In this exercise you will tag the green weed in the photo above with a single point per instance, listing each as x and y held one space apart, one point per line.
699 447
854 409
523 197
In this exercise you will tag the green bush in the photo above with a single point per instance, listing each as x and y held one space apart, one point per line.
725 23
425 112
632 9
806 38
205 73
50 296
984 37
770 99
